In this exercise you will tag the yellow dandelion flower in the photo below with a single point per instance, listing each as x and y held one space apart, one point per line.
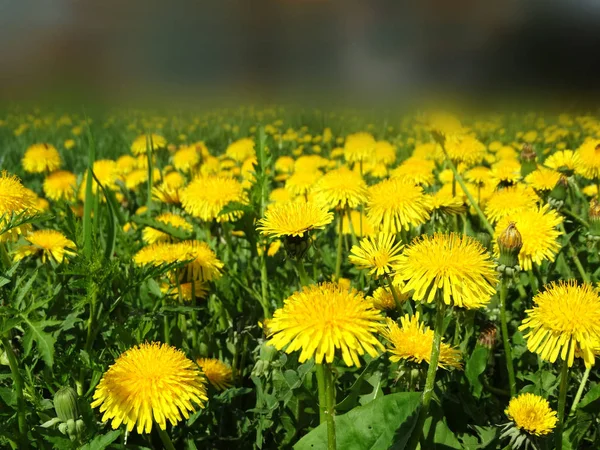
145 142
385 153
532 413
168 190
589 155
376 253
341 188
455 265
507 171
126 164
106 171
206 196
186 159
310 163
284 164
444 202
413 341
151 235
464 148
50 243
359 147
564 161
301 183
537 227
69 144
429 150
509 201
383 298
543 179
14 199
150 383
564 321
241 150
280 195
41 158
416 171
60 185
479 175
199 290
217 372
293 219
139 177
397 204
325 317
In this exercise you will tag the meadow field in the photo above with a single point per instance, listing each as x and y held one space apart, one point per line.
277 278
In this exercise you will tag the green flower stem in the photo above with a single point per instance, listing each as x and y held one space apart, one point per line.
562 399
166 440
532 282
89 340
586 375
182 319
6 262
431 371
472 201
505 340
573 254
330 406
166 324
304 280
264 284
351 226
194 319
320 372
18 383
338 260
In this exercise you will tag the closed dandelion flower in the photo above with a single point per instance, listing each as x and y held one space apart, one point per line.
60 185
50 244
537 227
532 413
396 205
41 158
324 318
341 188
241 150
150 383
416 171
293 219
147 142
565 322
413 341
456 266
151 235
217 372
509 201
14 199
359 147
377 254
589 155
543 179
206 196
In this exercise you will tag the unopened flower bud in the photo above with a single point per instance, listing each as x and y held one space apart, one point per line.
488 335
594 216
65 404
71 429
296 246
560 190
510 244
528 163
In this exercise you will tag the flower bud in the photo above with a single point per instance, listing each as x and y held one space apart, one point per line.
528 163
65 404
594 216
71 429
509 244
488 335
296 246
560 190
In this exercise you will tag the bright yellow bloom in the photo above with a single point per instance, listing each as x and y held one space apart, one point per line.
456 266
376 253
444 202
60 185
383 298
284 164
325 317
293 219
479 175
543 179
565 322
186 159
150 383
413 341
589 154
359 147
206 196
151 235
565 160
241 150
385 153
532 413
145 142
126 164
464 148
357 224
50 243
506 171
537 227
341 188
302 182
416 171
106 170
396 205
217 372
14 199
509 201
200 290
41 158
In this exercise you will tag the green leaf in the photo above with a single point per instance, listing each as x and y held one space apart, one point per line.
23 291
161 226
112 228
44 341
381 423
589 401
89 196
102 442
357 388
475 367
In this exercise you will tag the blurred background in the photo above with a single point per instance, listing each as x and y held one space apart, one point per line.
380 49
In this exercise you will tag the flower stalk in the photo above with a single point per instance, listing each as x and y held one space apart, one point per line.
338 260
164 437
505 340
562 399
586 375
18 383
